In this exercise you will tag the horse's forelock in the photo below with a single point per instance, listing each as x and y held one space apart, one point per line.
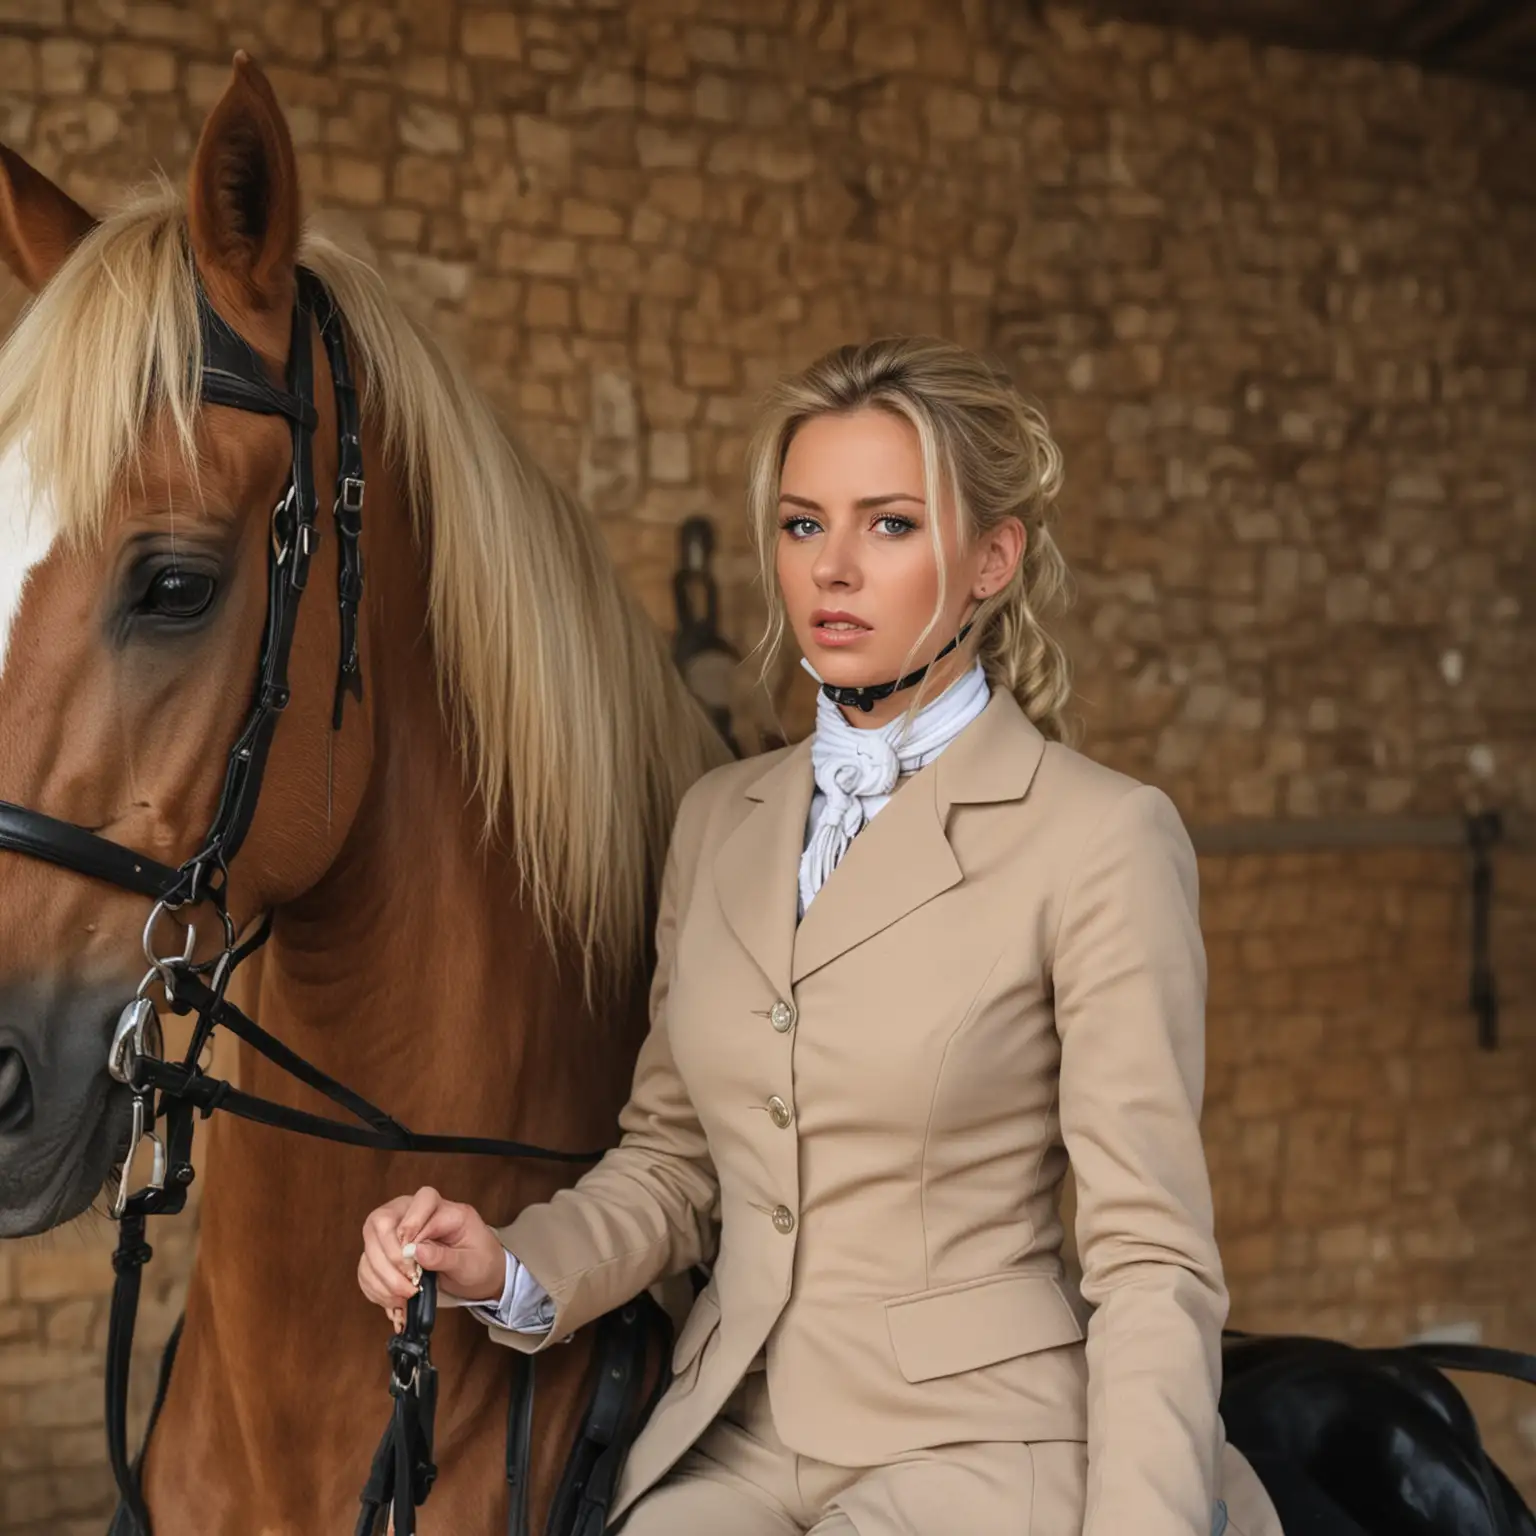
28 528
109 342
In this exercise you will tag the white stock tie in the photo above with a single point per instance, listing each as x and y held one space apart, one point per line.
856 769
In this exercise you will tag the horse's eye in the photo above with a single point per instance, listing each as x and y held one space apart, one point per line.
178 594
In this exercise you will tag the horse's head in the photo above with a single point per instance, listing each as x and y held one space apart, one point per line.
135 528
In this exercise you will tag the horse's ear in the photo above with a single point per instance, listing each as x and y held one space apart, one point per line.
40 223
243 208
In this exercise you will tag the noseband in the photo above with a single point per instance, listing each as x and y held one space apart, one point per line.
177 1092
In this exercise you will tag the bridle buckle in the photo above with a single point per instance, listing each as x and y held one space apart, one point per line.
137 1035
138 1133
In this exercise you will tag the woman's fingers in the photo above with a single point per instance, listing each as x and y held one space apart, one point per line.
444 1228
367 1284
395 1274
407 1234
422 1204
378 1292
381 1225
388 1283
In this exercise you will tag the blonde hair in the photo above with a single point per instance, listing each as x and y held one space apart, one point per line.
574 726
983 444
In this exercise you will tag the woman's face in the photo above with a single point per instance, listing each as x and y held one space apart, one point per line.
855 560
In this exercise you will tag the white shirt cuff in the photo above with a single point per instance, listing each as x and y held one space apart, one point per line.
524 1306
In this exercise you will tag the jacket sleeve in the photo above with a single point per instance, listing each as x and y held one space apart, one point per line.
1130 981
646 1211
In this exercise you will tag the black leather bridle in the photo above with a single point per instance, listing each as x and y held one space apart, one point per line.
179 1091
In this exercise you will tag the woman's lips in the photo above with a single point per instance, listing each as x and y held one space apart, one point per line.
839 633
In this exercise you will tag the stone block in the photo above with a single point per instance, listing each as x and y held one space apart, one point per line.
355 181
537 141
708 367
44 15
661 149
603 314
670 462
605 90
430 131
491 34
548 304
54 1274
535 254
18 65
579 217
128 69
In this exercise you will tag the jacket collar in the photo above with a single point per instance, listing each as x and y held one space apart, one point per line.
899 861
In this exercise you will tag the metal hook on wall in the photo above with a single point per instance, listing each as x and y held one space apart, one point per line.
1485 830
702 654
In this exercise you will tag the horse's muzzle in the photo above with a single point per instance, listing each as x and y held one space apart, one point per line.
63 1121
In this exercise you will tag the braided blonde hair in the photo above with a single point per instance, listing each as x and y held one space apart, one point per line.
982 441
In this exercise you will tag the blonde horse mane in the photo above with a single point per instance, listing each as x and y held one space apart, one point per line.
575 730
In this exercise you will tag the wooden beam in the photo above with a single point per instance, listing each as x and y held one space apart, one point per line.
1492 38
1333 833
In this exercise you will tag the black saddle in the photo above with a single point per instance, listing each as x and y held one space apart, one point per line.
1369 1442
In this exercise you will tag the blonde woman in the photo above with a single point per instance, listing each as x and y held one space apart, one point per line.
906 971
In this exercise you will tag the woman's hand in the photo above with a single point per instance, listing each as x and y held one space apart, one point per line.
442 1235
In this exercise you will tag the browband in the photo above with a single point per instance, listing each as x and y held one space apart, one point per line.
235 376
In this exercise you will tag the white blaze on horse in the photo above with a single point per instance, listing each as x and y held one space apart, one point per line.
460 876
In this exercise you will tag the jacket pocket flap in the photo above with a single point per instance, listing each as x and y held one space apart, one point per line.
701 1321
968 1326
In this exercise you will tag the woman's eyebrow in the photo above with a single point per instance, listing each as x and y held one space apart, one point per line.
863 504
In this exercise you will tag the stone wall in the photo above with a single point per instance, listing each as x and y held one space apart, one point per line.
1374 1171
1280 311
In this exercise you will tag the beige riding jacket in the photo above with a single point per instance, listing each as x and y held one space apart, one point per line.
863 1121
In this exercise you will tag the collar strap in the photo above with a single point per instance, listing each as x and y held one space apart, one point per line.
867 697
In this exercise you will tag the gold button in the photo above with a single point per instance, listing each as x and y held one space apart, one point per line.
783 1218
782 1015
778 1112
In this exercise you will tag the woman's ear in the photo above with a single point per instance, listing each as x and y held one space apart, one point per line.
1002 548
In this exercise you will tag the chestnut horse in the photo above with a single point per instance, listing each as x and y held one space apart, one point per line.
460 878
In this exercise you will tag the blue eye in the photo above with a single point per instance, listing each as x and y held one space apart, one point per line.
790 525
903 524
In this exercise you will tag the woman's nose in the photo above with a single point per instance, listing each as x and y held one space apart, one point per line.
836 562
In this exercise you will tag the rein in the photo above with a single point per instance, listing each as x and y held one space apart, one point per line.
179 1092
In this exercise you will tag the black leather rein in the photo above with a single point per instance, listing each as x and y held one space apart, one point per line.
178 1092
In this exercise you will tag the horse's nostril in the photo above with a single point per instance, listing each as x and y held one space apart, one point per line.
15 1093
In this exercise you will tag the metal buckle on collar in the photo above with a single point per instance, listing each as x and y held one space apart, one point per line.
351 499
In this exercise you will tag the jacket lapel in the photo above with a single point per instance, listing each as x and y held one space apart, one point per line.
757 867
900 860
897 862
